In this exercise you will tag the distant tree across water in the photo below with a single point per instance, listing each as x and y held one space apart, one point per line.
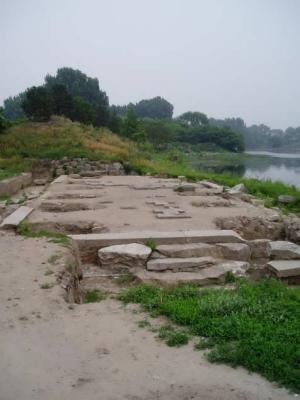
155 108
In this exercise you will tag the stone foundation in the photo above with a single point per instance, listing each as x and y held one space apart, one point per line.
11 186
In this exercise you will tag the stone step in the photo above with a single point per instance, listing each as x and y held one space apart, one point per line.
230 251
180 264
215 274
283 250
89 244
14 219
285 268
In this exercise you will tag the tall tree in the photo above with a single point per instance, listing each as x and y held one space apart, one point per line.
38 104
157 108
80 85
62 101
130 124
194 118
13 107
3 121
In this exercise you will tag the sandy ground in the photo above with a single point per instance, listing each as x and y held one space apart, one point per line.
95 351
123 205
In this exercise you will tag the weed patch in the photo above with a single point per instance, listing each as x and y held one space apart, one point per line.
125 279
255 325
151 243
25 229
94 296
46 285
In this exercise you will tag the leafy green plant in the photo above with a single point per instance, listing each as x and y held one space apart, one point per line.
172 337
151 243
94 296
230 277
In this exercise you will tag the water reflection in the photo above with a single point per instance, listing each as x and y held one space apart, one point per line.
274 166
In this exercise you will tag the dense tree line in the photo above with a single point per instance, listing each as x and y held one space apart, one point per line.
156 108
73 94
262 136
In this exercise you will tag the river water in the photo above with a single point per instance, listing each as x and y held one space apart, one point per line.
284 167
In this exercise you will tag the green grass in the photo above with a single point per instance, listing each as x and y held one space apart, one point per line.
94 296
172 337
60 138
255 325
25 229
151 243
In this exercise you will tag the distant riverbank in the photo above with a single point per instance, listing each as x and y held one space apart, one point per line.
284 167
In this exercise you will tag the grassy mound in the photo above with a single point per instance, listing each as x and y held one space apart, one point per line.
253 325
60 138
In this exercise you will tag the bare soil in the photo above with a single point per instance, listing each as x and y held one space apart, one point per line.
50 350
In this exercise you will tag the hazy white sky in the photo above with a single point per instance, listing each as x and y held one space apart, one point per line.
223 57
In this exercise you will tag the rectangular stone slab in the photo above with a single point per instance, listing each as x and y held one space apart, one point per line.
180 264
14 219
285 268
89 244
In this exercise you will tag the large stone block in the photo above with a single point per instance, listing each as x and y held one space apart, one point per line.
260 248
235 251
124 257
283 250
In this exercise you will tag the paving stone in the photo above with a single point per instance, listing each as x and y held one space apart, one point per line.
235 251
14 219
215 274
284 250
189 250
285 268
180 264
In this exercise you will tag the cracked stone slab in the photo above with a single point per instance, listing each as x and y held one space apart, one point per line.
180 264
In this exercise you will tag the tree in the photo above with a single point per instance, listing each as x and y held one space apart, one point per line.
80 85
157 108
38 104
63 103
82 111
13 107
194 118
3 121
130 124
158 132
115 123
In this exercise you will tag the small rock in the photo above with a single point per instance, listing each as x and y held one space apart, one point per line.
286 199
40 182
238 189
185 188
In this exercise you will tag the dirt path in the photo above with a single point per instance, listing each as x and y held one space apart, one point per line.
95 351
